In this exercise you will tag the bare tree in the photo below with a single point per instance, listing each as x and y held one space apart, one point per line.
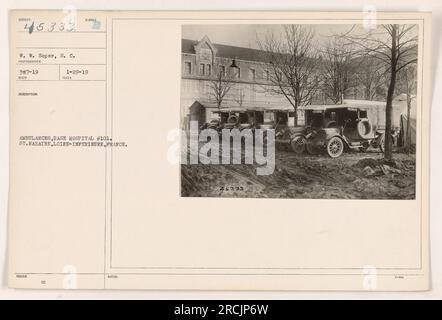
336 69
220 84
371 76
407 84
395 47
293 61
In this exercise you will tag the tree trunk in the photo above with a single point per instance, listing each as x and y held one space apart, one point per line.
408 131
388 114
389 106
295 111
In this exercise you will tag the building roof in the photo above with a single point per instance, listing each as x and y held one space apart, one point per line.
349 103
229 106
323 107
365 103
225 51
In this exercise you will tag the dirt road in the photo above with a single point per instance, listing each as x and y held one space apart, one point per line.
305 176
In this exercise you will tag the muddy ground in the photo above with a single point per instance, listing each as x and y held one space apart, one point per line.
354 175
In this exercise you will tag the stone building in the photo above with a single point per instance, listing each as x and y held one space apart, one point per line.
249 82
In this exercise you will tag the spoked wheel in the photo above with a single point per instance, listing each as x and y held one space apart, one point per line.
335 147
298 144
382 143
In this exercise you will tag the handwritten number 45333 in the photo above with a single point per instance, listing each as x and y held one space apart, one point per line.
49 27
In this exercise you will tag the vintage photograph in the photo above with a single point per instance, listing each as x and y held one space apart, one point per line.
299 111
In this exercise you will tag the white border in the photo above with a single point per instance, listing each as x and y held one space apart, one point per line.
313 5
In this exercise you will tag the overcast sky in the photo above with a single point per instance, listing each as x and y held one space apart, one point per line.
245 35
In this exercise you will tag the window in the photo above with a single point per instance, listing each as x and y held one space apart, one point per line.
223 71
267 75
201 69
241 94
279 76
252 73
187 67
238 72
208 69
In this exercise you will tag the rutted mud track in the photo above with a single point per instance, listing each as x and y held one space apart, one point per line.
305 176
